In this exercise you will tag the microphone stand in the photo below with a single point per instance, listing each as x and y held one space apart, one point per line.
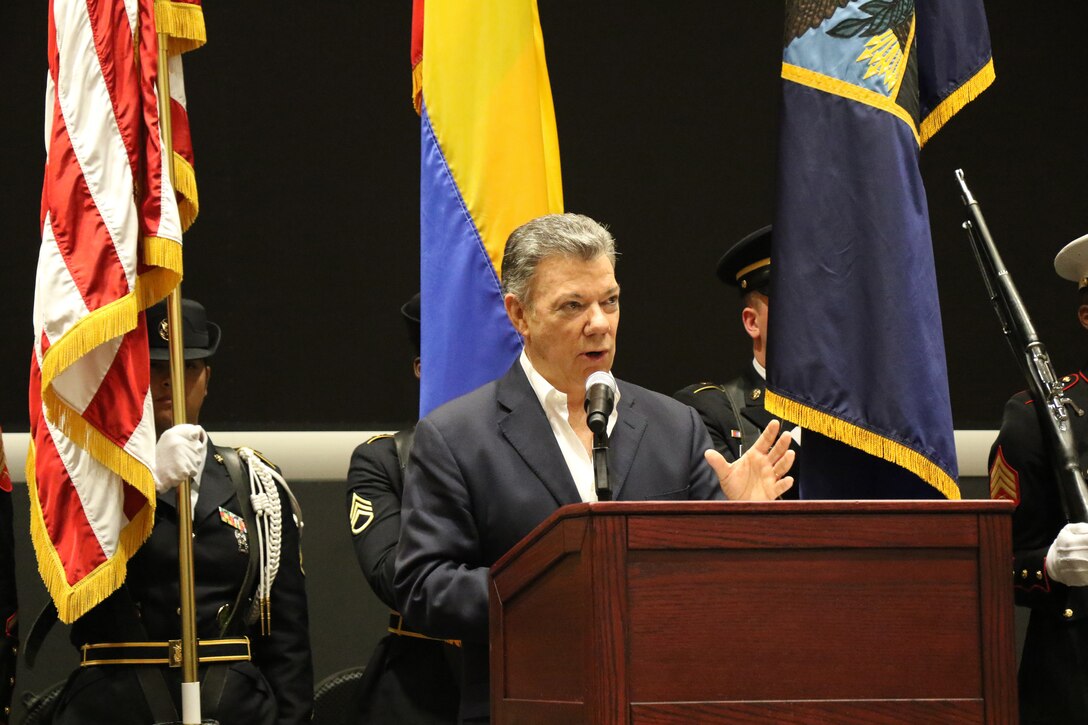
600 464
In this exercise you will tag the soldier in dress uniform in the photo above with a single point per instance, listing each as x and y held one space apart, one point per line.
251 614
733 412
410 678
1050 565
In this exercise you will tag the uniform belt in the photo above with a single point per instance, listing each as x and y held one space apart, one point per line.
163 653
396 626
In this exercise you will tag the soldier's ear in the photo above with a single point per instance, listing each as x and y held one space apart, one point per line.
748 319
1082 315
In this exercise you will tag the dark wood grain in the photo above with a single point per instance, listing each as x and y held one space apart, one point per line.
881 612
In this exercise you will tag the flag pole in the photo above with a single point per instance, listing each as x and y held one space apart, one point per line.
190 681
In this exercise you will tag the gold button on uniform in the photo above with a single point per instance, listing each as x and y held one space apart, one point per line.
1068 614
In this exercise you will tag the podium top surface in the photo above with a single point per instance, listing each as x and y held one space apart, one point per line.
968 507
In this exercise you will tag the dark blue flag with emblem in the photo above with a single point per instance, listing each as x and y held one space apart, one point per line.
856 351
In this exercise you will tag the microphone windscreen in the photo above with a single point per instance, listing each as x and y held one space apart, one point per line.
601 377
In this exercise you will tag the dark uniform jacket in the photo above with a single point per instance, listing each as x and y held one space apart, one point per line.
486 469
1053 681
734 415
409 678
275 687
9 603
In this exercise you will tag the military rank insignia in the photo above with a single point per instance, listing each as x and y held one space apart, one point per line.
361 514
237 523
1004 480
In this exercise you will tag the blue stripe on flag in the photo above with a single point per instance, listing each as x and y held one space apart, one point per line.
466 338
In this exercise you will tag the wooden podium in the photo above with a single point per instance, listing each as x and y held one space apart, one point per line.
782 612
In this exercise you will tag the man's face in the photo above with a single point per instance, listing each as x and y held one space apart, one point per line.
197 375
570 324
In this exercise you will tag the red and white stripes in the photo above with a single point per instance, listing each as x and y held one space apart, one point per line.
111 246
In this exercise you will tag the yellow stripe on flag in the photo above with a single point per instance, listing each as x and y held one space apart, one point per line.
485 85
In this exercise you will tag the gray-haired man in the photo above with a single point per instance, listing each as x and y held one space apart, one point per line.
488 467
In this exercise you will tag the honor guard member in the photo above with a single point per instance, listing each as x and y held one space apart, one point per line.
410 678
733 412
251 617
9 602
1050 555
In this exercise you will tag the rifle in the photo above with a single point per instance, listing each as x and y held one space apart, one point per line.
1031 354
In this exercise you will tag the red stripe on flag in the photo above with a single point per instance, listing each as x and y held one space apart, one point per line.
81 235
179 127
417 32
5 479
151 205
113 43
65 522
133 501
117 406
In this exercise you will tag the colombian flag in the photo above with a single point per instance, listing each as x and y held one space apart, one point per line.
856 346
489 163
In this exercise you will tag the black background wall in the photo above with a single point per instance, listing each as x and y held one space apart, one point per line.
307 162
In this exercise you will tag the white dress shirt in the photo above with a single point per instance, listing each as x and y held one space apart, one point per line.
578 459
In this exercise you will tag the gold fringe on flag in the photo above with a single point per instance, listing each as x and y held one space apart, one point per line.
956 100
106 323
185 186
92 440
183 22
74 601
865 440
417 88
118 317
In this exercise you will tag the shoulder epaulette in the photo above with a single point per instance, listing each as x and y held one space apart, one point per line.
378 437
262 456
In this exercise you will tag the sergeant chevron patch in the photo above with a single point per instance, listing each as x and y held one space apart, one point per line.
361 514
1004 480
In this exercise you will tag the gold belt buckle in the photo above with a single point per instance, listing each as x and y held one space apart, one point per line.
174 648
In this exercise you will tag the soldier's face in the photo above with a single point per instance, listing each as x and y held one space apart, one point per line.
197 375
570 326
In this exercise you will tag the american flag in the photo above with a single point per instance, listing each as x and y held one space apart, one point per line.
112 227
5 479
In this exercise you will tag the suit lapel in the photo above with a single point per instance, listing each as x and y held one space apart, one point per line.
625 439
525 426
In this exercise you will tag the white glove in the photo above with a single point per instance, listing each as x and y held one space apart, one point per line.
1067 560
179 454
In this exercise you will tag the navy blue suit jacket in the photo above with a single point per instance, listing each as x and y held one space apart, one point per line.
486 469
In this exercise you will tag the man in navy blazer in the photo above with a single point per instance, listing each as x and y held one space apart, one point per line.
488 467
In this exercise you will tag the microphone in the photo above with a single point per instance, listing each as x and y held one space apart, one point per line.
600 400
